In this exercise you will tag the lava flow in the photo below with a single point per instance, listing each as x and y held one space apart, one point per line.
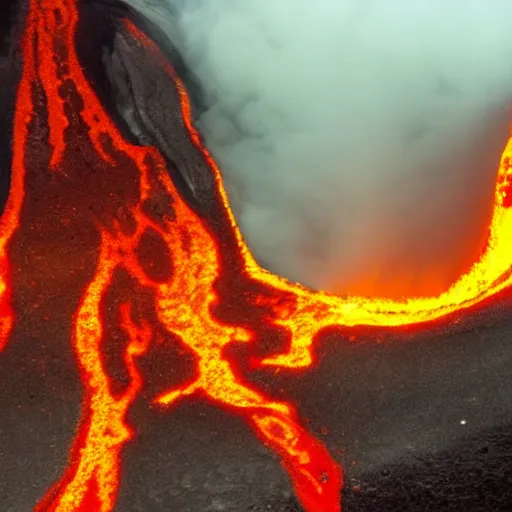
184 303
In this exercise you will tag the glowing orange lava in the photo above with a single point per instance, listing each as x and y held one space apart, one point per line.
184 303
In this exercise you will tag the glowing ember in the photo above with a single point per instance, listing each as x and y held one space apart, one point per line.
185 301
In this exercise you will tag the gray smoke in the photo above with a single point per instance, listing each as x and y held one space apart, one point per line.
359 139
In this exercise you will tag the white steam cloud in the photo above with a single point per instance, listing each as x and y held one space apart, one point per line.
359 139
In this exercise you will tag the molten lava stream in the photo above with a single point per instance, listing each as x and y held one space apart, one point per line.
10 219
184 302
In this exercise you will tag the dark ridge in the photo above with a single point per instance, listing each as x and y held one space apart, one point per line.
99 21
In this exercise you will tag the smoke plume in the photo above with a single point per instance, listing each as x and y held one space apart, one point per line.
359 139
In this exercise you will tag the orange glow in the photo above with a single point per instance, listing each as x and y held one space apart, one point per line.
10 219
184 303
